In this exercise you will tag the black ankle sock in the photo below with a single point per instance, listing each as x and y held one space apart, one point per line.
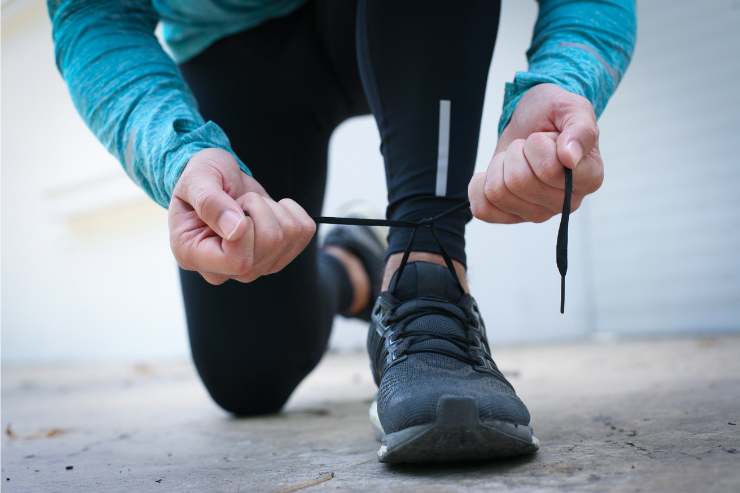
334 275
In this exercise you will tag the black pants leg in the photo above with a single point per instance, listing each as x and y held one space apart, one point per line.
278 92
424 65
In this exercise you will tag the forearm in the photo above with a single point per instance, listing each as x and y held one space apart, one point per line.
583 47
129 92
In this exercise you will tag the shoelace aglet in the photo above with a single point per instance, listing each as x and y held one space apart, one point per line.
562 293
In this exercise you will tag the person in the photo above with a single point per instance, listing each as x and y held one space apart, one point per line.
232 138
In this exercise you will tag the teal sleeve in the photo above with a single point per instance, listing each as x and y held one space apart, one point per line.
583 46
129 91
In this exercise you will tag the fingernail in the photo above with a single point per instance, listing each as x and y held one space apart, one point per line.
228 223
575 150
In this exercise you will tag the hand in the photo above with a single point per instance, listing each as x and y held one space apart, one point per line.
551 128
210 233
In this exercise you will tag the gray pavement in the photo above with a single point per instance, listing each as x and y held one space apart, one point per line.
638 416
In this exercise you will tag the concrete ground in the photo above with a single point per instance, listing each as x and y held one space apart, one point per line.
660 415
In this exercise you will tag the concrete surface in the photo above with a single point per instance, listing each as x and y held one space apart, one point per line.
660 415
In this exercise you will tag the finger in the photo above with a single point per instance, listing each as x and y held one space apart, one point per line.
579 132
307 223
268 235
241 254
214 279
540 151
201 250
191 240
589 175
203 189
294 240
522 181
482 208
308 226
497 190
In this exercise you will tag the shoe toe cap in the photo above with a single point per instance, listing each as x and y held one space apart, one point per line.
417 404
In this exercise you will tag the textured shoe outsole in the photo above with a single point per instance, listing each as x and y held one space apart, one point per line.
456 435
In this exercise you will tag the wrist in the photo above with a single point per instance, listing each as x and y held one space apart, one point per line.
208 136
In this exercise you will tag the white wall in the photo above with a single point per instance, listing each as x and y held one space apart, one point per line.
87 272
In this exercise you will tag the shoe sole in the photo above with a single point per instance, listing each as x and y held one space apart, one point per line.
456 435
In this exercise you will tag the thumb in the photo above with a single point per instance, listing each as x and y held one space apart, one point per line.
579 134
204 190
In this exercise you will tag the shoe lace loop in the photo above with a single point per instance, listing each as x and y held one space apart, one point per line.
472 347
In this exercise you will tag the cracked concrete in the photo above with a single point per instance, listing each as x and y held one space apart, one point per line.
644 415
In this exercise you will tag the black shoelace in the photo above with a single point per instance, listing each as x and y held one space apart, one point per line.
561 248
469 348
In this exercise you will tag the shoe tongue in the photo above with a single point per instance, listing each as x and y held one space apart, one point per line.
426 279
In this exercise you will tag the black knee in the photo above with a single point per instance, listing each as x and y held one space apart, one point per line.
256 389
245 396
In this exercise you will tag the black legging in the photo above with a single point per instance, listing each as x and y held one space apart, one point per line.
279 90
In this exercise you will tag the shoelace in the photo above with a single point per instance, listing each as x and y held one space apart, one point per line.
415 337
561 247
471 348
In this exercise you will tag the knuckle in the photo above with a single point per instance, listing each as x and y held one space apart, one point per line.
246 279
251 197
477 209
493 192
309 227
202 201
541 217
591 132
545 167
183 258
306 233
293 230
535 140
277 267
287 200
213 281
243 267
576 203
511 219
279 236
516 179
561 104
599 179
272 236
536 149
551 170
515 146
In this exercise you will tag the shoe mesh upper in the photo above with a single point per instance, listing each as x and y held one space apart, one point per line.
411 382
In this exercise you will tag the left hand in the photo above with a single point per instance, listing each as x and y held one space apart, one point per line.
550 128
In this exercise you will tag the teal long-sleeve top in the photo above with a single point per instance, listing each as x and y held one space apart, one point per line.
131 95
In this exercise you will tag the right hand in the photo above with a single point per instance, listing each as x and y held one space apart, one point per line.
210 233
551 129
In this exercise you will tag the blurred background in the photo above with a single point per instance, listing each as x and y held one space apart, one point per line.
87 273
